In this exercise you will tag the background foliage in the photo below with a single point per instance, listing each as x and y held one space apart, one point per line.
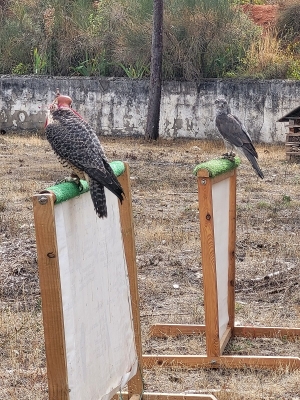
202 39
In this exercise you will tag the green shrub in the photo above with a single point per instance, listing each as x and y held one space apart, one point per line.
294 70
208 41
288 22
136 71
20 69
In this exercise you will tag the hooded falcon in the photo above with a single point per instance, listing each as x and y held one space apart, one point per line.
78 148
235 135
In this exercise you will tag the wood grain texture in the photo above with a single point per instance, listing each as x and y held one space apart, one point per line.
163 330
231 250
195 361
225 339
52 310
135 385
224 176
209 266
266 331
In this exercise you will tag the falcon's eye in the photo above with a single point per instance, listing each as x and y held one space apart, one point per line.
216 101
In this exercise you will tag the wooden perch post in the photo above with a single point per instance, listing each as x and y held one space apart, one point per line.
217 212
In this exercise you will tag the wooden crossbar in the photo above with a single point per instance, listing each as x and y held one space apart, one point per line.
164 330
198 361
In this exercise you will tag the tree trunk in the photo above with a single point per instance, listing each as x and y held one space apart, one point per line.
152 128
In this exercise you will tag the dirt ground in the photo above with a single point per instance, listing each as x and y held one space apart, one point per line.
263 15
166 222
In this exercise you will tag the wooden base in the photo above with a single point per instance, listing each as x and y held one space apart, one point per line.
165 396
207 361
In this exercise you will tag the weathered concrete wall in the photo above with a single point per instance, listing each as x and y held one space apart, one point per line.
119 106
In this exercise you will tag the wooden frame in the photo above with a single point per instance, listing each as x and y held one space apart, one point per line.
292 144
50 285
43 207
215 344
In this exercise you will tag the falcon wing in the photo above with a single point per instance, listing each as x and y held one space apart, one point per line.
74 141
233 132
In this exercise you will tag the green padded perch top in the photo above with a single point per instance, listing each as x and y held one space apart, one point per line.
67 190
118 167
218 166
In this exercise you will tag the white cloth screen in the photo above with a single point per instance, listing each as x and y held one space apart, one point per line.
99 335
220 193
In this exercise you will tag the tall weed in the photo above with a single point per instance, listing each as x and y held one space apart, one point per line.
265 59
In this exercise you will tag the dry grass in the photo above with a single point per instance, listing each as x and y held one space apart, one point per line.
168 252
265 58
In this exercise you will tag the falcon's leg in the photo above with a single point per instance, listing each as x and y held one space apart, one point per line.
229 155
75 178
72 178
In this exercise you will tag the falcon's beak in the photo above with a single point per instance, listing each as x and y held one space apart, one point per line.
48 118
53 105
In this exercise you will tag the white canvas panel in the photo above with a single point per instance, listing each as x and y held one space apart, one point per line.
220 193
100 347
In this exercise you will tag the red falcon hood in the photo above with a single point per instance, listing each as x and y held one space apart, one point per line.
63 102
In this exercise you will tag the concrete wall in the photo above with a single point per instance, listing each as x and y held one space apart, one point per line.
119 106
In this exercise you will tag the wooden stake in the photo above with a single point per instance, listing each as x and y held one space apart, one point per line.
135 385
43 207
231 250
208 264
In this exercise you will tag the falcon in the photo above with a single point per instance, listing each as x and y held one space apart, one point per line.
235 135
79 149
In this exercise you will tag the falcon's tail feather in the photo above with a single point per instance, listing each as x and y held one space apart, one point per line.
110 181
253 162
116 188
98 198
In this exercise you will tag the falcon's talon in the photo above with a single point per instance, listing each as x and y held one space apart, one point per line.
80 186
228 156
75 179
59 181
